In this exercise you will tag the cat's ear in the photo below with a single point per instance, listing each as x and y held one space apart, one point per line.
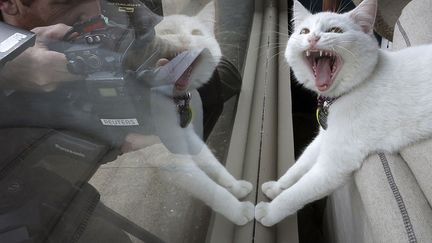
300 13
364 15
208 16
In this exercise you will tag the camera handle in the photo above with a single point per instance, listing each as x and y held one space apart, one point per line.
13 41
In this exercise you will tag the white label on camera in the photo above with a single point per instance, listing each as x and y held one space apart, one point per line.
120 122
10 42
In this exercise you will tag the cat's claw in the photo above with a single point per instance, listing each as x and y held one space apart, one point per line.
241 189
247 213
262 214
271 189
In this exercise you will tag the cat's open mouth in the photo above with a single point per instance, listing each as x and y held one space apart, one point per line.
180 69
324 65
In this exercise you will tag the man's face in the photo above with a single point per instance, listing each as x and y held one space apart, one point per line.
49 12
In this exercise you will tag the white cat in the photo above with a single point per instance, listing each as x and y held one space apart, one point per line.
383 103
177 33
196 169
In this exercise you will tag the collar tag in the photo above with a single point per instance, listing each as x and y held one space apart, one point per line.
322 111
183 108
321 116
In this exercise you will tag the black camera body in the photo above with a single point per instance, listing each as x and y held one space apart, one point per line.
94 52
116 101
107 101
111 99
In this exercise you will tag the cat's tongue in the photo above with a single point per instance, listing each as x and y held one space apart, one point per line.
323 74
183 81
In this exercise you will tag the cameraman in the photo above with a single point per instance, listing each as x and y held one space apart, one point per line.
39 69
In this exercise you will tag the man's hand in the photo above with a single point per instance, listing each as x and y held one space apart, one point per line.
135 141
37 68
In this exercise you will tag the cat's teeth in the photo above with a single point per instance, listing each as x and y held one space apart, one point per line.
307 53
321 52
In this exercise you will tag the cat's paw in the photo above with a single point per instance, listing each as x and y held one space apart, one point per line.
271 189
246 213
263 215
241 189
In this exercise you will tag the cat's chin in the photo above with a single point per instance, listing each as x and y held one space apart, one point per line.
324 65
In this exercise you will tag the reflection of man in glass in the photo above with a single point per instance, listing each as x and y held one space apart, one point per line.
49 19
38 68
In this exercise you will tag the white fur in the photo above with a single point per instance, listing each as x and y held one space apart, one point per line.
180 32
195 168
386 104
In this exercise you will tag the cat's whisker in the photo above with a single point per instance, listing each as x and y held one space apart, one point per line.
273 44
281 33
341 7
263 55
280 26
315 3
273 48
285 65
269 59
345 41
350 52
277 32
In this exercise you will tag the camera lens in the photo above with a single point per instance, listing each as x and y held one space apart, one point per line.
89 39
76 65
94 61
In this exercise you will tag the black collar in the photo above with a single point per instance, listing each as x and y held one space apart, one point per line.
322 111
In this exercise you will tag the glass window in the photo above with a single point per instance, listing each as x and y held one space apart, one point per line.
116 118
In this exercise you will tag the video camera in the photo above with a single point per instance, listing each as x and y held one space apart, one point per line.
113 98
97 49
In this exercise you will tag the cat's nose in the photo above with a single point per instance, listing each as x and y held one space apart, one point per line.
313 39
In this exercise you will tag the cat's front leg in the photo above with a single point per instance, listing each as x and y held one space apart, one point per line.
333 168
211 165
192 179
308 158
186 141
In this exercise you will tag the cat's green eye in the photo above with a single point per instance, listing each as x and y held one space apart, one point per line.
335 30
304 31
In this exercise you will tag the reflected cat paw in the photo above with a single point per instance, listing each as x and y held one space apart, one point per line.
241 189
247 213
262 214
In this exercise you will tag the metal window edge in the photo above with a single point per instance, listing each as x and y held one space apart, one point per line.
263 116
